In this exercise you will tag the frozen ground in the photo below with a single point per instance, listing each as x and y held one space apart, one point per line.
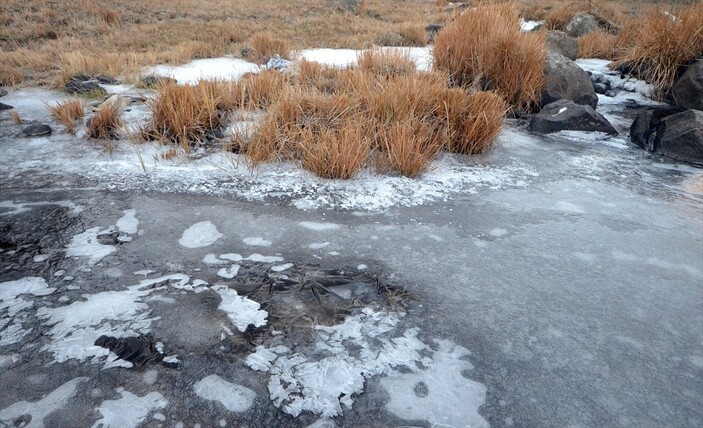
557 281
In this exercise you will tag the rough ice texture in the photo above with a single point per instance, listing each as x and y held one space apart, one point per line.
39 409
128 223
240 310
11 329
201 234
438 394
256 257
233 397
86 245
19 208
319 226
129 411
323 380
123 313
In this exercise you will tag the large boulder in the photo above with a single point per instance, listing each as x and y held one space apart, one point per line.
566 80
687 92
580 24
563 43
677 135
680 137
565 115
37 130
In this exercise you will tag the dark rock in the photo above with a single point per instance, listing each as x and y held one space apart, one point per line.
5 107
217 133
81 78
154 81
610 93
566 80
600 88
2 92
138 350
563 43
107 80
687 92
680 137
580 24
566 115
76 85
641 130
108 238
37 130
432 31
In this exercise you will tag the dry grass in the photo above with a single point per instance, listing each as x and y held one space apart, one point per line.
474 121
386 63
67 112
408 147
105 123
16 119
183 115
662 44
484 49
334 152
264 47
598 44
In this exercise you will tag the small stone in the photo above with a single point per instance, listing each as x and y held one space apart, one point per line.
2 92
78 86
5 107
37 130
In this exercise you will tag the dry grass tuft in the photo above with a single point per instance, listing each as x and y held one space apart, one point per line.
474 120
68 113
598 44
105 123
264 47
386 63
16 119
484 49
408 147
334 152
260 90
183 114
663 43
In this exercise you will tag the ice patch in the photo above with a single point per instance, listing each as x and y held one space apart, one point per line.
128 223
230 272
257 241
498 232
599 67
40 258
11 330
438 394
568 207
318 245
38 410
128 411
233 397
20 208
201 234
319 226
323 379
256 257
281 268
527 26
205 69
231 256
211 259
240 310
86 245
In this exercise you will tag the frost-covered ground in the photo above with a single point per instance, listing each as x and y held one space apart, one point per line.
554 281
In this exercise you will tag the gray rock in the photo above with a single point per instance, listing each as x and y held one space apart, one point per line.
5 107
610 93
600 88
153 81
432 31
107 80
2 92
563 43
37 130
641 130
566 80
680 137
580 24
77 85
687 92
565 115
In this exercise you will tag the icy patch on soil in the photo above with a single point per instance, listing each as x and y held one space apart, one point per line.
201 234
76 327
281 268
128 223
257 241
11 290
38 410
240 310
128 411
323 379
438 394
599 67
226 68
529 25
229 273
233 397
86 245
319 226
256 257
343 58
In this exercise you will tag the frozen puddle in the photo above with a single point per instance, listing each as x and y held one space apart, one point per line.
233 397
199 235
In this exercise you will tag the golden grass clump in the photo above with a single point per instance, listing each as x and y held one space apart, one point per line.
183 114
485 49
598 44
663 43
260 90
336 152
473 120
16 119
408 147
264 47
105 123
386 63
67 112
314 75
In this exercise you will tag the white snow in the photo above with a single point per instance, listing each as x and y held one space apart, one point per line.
240 310
201 234
257 241
211 259
129 411
128 223
233 397
343 58
529 25
319 226
318 245
230 272
599 67
281 268
231 256
86 245
439 394
11 329
225 68
39 409
256 257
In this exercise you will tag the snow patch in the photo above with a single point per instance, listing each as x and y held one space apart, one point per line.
281 268
230 272
128 411
319 226
86 245
39 409
240 310
256 257
225 68
233 397
128 223
201 234
257 241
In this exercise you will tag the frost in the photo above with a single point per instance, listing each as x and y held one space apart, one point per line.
233 397
240 310
128 411
39 409
199 235
86 245
128 223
